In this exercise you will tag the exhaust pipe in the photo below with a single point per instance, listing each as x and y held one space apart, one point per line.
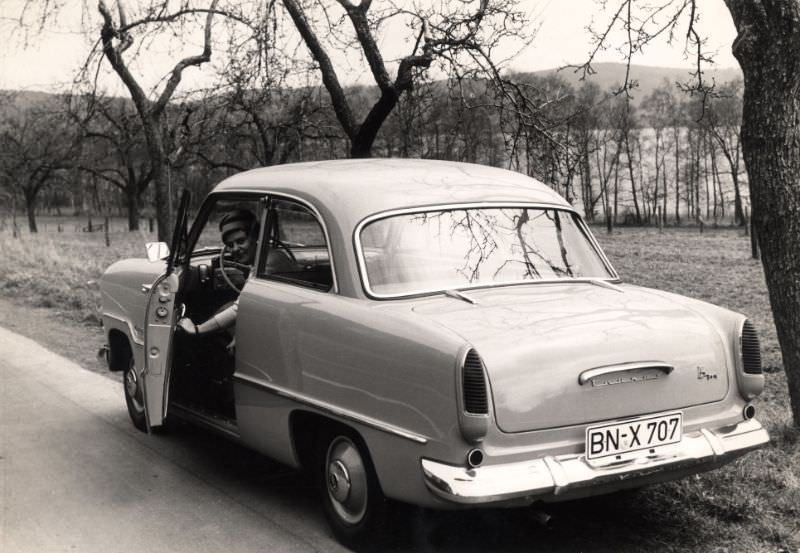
749 411
475 458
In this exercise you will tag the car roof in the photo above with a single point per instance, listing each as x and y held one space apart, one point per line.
352 189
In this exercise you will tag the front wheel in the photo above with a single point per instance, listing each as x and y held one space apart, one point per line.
134 398
353 502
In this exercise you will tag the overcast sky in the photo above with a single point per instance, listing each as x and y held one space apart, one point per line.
52 59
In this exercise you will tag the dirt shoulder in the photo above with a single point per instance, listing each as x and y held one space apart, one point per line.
77 342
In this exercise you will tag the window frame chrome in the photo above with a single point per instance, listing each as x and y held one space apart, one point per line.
268 195
362 266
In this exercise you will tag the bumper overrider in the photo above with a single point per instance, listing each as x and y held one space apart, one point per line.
566 476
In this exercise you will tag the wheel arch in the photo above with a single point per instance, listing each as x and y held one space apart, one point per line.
119 350
306 427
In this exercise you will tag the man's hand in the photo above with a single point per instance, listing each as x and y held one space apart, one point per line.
186 326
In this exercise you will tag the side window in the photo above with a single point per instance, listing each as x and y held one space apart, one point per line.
210 236
295 249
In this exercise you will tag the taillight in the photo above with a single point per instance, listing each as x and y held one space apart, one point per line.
473 416
751 351
476 400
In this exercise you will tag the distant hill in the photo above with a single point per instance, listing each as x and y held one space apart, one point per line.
607 76
21 100
611 75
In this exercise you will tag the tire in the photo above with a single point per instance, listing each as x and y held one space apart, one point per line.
133 396
352 499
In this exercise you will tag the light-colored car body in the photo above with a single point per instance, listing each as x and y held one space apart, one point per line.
558 357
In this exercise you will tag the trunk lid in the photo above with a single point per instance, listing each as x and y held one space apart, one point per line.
536 341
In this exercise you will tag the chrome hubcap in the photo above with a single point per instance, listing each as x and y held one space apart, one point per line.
132 388
338 481
346 478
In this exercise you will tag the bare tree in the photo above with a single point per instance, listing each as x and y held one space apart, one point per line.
115 151
607 148
723 119
768 50
450 32
37 147
658 107
586 119
117 37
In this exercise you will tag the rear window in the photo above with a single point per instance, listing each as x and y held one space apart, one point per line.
451 249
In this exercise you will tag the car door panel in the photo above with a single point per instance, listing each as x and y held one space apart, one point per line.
160 320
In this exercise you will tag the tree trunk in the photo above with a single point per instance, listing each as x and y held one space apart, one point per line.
719 197
633 181
676 133
768 49
586 178
158 157
664 199
30 209
616 191
658 172
705 178
607 209
738 213
132 199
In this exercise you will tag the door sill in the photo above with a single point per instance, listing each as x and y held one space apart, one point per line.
208 419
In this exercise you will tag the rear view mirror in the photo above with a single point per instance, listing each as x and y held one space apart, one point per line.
156 251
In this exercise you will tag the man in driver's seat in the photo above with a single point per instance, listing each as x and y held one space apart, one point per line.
238 229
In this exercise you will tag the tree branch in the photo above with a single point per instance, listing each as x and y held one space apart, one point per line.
177 71
358 17
329 77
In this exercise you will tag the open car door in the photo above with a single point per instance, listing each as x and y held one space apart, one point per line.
160 319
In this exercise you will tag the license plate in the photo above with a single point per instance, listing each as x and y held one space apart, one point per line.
604 440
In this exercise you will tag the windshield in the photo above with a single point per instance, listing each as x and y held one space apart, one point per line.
463 248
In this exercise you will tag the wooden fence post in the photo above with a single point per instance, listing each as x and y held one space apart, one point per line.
108 240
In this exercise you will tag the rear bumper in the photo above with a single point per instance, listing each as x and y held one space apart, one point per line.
570 476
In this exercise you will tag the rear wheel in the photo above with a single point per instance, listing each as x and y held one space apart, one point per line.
351 495
134 398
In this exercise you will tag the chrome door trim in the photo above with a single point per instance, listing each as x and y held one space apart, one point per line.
330 409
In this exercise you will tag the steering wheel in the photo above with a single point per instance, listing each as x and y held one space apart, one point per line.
280 244
234 265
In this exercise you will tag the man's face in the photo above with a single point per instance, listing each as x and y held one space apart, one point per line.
240 246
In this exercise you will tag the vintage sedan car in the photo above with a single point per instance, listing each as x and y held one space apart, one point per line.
441 334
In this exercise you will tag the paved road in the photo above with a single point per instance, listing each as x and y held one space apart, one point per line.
76 476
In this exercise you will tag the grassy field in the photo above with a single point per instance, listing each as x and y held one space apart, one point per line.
750 505
62 270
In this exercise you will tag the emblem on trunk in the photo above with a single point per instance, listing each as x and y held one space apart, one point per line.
625 373
703 374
